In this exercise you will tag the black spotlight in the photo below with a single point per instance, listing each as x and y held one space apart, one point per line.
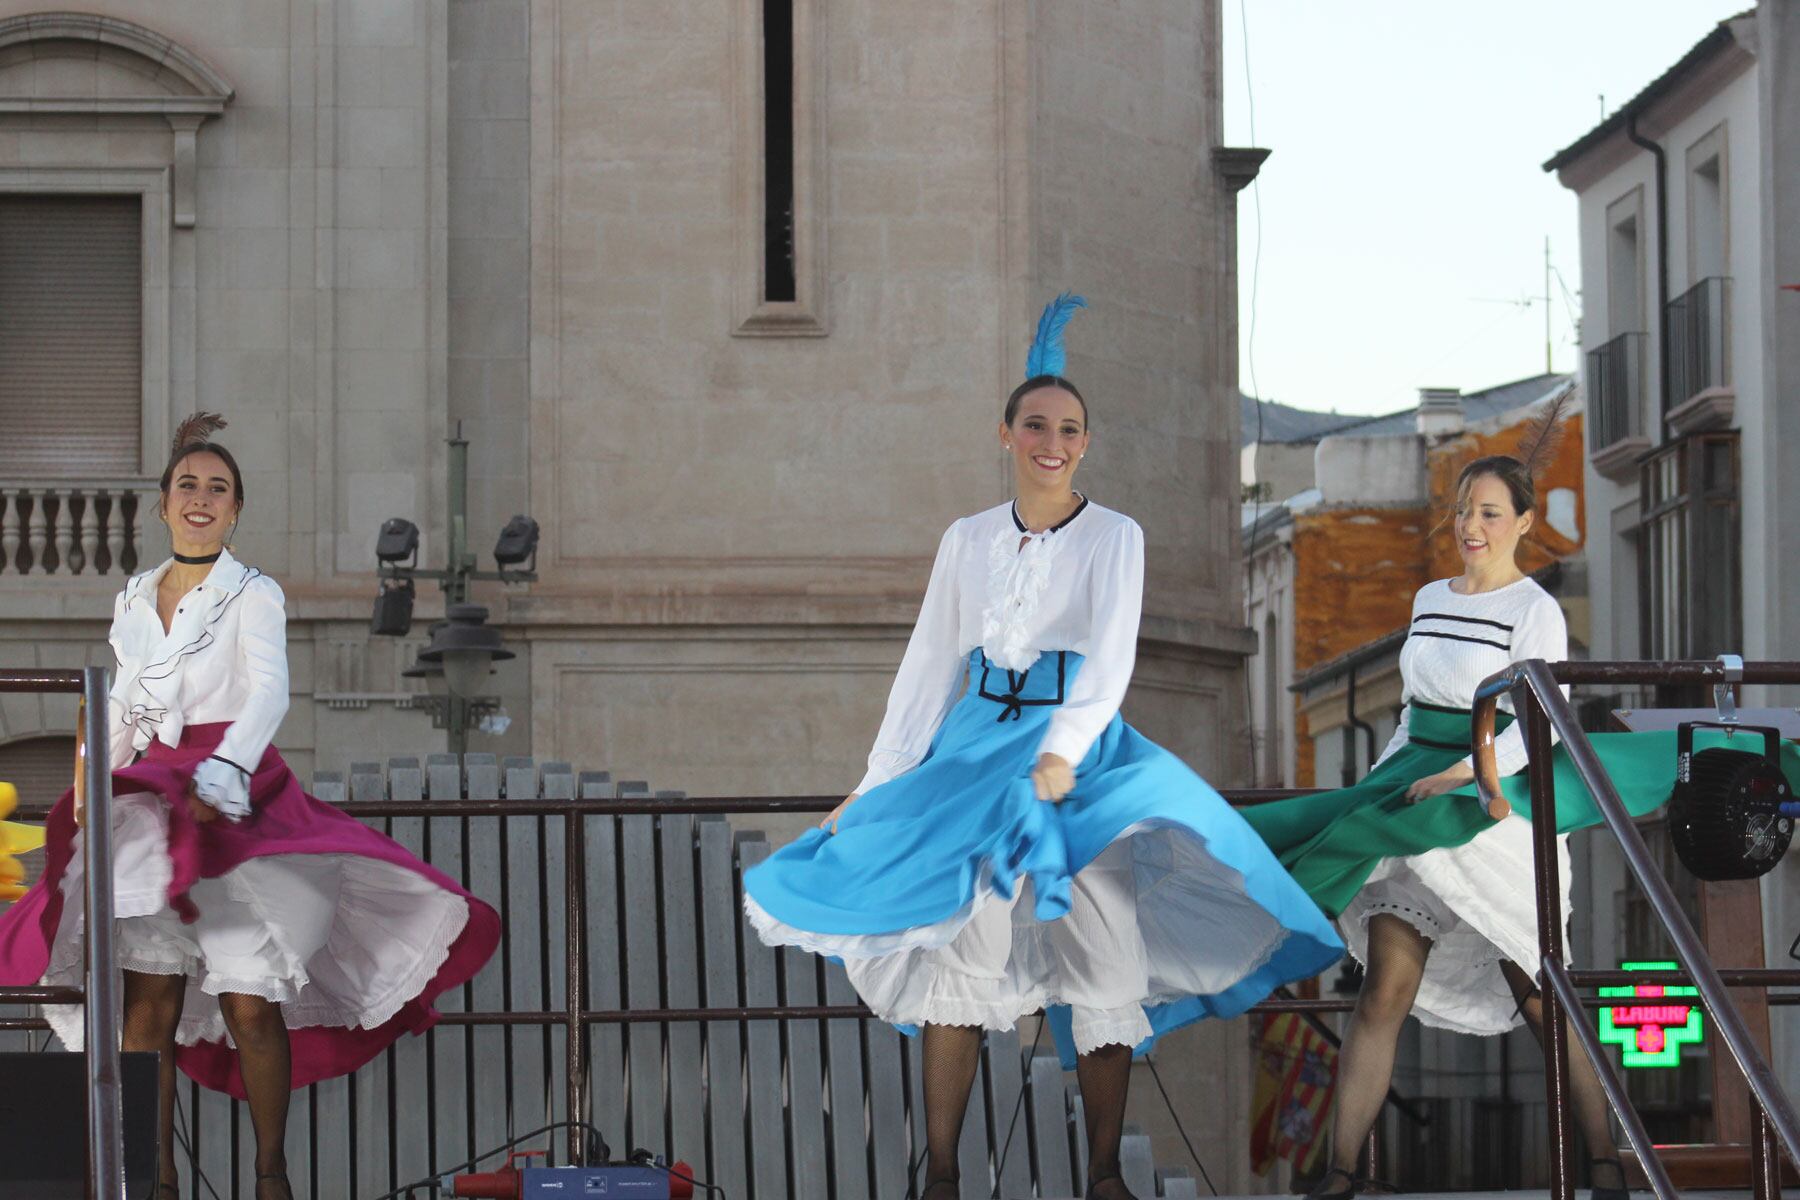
1725 816
393 608
518 542
399 540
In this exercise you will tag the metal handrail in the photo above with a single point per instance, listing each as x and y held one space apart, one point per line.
1544 709
100 993
1610 1083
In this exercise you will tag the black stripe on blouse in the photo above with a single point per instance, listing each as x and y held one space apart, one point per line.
1457 637
1466 620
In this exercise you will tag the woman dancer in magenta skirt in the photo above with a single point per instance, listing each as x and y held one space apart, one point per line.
1015 845
267 940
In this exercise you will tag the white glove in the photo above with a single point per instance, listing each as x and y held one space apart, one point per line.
224 787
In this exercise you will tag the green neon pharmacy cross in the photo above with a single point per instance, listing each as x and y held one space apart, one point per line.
1652 1029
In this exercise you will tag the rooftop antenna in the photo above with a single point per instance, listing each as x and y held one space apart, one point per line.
1548 368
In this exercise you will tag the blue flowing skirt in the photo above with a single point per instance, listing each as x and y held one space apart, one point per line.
912 860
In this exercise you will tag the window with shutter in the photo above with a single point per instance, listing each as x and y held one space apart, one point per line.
71 328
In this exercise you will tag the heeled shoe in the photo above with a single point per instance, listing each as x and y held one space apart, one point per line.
1108 1177
161 1189
281 1177
953 1186
1347 1192
1609 1193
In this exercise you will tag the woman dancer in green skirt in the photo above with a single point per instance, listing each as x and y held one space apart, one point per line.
1433 896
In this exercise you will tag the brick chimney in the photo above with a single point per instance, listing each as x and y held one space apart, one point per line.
1440 412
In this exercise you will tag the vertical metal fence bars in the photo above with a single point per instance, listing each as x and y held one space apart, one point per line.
100 990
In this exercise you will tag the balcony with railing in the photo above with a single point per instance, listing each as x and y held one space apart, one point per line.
1697 324
1615 384
73 528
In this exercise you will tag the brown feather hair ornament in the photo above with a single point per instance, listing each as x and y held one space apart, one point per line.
197 430
1544 434
194 435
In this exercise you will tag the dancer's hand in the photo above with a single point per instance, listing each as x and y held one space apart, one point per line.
199 809
829 824
1447 780
1053 777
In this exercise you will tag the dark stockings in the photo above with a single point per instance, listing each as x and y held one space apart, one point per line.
951 1054
1396 964
152 1012
1591 1111
261 1036
1105 1077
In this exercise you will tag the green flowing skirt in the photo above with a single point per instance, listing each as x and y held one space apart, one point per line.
1331 842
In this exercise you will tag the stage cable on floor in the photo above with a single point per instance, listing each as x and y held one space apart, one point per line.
187 1148
643 1158
430 1182
1179 1127
1024 1079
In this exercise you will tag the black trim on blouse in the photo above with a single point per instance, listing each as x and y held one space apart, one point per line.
1020 525
1457 637
1466 620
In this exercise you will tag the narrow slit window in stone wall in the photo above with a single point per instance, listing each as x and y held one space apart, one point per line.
779 275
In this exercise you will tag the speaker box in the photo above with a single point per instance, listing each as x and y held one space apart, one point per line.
43 1125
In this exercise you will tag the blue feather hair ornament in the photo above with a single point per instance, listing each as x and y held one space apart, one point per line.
1046 356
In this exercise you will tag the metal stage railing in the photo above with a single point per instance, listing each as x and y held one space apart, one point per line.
100 993
576 1017
1543 710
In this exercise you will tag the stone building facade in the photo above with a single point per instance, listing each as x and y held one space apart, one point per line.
354 228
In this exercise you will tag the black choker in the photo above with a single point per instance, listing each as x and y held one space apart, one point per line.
194 561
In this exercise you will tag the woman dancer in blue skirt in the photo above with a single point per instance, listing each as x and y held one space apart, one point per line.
1150 902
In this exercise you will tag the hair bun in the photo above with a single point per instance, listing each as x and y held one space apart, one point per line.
196 430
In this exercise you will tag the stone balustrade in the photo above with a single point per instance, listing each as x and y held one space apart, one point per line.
73 527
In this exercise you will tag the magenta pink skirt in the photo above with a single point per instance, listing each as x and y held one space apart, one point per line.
285 820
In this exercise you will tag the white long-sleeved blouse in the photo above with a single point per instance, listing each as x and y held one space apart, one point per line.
222 659
1078 587
1456 641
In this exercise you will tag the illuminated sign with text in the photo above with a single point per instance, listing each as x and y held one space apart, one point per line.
1653 1021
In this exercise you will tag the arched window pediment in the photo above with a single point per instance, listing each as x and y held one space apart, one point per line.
43 68
83 64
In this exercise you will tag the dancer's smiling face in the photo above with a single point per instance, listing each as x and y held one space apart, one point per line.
1488 526
1047 437
201 504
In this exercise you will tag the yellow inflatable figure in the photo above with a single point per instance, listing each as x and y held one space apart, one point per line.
14 839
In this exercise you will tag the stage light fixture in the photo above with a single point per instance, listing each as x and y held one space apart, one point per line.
398 540
393 608
518 542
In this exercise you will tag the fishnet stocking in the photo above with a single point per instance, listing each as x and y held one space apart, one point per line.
256 1026
152 1011
1591 1110
1396 964
950 1054
1105 1078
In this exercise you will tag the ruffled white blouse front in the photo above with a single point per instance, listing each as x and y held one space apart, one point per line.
1078 587
222 659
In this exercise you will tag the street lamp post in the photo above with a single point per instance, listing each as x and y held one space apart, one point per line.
463 648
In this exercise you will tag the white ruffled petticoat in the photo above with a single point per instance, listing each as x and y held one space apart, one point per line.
298 929
1477 903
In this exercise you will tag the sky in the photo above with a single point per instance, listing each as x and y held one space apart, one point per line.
1404 210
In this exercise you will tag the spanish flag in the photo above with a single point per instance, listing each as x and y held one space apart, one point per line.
1296 1077
14 839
